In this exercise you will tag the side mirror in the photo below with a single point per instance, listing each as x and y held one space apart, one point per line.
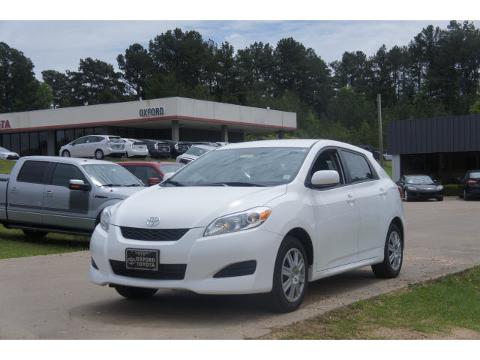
325 178
153 181
76 184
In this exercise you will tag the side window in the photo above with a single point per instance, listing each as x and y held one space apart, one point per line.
63 173
328 160
357 166
79 141
33 172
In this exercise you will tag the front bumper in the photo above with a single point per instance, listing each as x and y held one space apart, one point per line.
203 256
425 194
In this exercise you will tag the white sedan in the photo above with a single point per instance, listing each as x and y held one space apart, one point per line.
135 148
255 217
6 154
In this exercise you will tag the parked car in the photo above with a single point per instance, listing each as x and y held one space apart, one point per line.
255 217
96 146
178 147
151 172
419 187
6 154
53 194
194 153
471 185
135 148
158 148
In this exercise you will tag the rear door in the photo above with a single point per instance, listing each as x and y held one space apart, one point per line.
63 207
78 147
25 193
371 198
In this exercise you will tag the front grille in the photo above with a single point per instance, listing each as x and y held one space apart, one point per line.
152 234
165 271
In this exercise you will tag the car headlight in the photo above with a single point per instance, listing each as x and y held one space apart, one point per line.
105 218
239 221
439 187
411 188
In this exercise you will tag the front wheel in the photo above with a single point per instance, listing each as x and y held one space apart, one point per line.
135 293
290 277
393 255
34 234
66 153
99 154
440 198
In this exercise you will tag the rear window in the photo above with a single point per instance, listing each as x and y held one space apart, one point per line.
357 166
33 172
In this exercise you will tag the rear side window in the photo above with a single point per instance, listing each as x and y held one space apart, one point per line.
63 173
357 167
33 172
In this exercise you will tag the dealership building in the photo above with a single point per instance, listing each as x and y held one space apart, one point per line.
443 147
43 132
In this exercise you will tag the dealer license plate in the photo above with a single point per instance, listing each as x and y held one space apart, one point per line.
141 259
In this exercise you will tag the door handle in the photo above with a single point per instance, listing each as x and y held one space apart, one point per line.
350 199
49 193
14 189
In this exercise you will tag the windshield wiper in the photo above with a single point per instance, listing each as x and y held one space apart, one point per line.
173 182
233 183
111 185
132 185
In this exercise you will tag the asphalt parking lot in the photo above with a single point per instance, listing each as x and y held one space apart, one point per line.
50 297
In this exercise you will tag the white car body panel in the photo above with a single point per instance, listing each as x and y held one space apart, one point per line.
133 150
347 226
77 148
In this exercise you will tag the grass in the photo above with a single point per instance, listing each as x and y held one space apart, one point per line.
6 166
14 244
387 166
433 309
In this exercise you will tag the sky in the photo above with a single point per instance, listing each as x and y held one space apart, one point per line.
60 45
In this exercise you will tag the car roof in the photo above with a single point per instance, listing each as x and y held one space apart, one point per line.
66 160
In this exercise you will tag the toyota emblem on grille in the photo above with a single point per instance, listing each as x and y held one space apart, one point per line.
153 221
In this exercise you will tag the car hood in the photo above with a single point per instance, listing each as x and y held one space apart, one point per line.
189 207
118 192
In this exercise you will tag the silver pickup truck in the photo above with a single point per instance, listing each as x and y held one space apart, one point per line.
53 194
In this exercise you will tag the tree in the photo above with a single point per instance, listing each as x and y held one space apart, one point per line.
137 67
96 82
60 87
18 87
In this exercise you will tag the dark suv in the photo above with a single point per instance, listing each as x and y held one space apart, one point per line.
471 185
158 148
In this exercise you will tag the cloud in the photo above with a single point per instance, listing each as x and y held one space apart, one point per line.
60 45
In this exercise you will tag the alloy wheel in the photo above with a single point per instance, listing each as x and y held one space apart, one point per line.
293 274
394 250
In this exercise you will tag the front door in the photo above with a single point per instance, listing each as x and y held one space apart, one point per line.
25 195
63 207
336 216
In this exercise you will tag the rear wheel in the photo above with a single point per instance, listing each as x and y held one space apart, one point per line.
99 154
66 153
35 234
290 277
466 197
393 255
135 293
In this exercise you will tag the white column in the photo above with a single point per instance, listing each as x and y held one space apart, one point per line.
175 130
224 130
396 167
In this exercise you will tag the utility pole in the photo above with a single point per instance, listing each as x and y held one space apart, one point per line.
380 127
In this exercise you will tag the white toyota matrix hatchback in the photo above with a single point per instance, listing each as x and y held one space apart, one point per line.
254 217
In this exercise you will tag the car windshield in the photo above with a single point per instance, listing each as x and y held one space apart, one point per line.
268 166
111 175
474 175
419 180
171 168
196 151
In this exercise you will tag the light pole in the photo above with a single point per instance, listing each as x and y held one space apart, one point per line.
380 127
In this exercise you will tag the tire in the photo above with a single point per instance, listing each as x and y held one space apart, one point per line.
393 255
99 154
440 198
289 300
66 153
135 293
466 197
35 234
